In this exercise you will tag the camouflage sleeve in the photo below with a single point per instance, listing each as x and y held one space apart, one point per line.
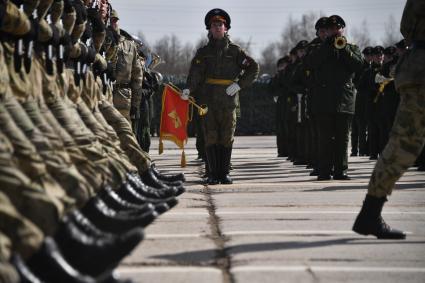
13 20
250 67
136 79
196 72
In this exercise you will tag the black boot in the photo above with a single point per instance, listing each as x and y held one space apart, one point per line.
149 178
169 177
94 255
112 221
114 201
370 222
25 274
144 189
49 265
128 193
224 167
211 151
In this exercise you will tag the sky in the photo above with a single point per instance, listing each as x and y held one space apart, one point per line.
259 21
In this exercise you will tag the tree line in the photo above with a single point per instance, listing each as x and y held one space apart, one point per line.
176 56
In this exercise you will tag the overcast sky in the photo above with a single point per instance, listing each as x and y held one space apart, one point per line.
260 21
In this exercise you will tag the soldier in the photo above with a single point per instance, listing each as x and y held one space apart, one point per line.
407 136
216 75
359 126
129 76
335 63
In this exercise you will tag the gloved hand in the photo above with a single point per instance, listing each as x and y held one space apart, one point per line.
275 98
185 94
380 78
232 89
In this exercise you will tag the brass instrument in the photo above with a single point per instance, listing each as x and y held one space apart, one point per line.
202 109
340 42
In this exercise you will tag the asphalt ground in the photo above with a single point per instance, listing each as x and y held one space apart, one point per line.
277 224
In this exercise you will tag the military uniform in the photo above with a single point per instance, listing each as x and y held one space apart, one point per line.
214 68
333 101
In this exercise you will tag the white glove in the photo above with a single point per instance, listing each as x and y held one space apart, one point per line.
275 98
233 89
185 94
380 78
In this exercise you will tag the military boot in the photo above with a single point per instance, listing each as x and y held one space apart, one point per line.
128 193
169 177
224 165
212 159
49 265
112 221
149 178
370 222
94 255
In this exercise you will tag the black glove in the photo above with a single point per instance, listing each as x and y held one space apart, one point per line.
55 40
91 55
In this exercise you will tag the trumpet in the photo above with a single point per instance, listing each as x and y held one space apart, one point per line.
340 42
202 109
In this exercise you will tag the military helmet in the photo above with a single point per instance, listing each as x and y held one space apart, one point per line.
217 15
390 50
114 14
321 23
368 50
378 50
336 20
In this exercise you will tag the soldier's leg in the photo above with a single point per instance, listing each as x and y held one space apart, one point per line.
210 128
129 144
25 237
406 141
226 133
57 161
342 132
355 137
325 126
8 273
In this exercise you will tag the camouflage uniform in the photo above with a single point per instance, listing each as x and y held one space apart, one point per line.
407 136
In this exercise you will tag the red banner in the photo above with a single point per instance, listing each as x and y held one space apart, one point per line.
174 118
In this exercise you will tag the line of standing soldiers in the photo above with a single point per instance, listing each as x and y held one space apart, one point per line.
76 189
325 88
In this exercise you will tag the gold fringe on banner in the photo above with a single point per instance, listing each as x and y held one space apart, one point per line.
161 147
183 159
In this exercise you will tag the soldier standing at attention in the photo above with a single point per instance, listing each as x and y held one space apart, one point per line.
129 76
335 62
407 136
217 73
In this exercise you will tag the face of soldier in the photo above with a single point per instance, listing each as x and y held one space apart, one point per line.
334 31
378 58
321 33
103 7
218 29
114 24
368 58
301 53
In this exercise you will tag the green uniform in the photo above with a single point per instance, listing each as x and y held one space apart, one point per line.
333 102
407 136
214 67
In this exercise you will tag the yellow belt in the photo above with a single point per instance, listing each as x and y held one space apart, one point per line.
218 81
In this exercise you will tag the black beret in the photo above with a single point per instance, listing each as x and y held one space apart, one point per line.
301 45
368 50
378 50
390 50
321 23
218 14
336 20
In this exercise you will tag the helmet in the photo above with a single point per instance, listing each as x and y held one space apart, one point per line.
219 15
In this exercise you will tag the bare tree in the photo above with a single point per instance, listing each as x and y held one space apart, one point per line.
392 32
361 35
269 57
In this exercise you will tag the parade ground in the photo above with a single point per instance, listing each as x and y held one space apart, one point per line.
277 224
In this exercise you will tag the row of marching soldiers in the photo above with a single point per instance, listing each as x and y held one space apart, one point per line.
76 189
320 96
